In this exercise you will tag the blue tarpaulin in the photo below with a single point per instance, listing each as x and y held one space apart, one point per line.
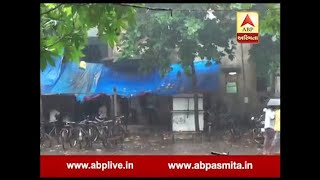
68 78
50 75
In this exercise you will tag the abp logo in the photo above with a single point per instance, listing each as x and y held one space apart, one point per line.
248 27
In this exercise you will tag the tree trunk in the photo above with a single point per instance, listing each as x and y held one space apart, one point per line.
195 97
115 102
244 85
272 84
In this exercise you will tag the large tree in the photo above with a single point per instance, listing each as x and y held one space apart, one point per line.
266 55
189 34
64 27
186 31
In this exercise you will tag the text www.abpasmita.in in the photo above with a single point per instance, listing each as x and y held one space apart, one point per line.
109 165
207 166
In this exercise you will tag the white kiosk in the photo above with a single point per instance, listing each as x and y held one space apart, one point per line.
183 118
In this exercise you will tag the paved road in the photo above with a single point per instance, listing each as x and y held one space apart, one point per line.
144 145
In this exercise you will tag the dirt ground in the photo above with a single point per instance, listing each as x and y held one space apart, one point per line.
154 145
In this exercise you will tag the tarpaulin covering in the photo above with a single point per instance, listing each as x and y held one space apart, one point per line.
97 79
127 84
50 75
173 83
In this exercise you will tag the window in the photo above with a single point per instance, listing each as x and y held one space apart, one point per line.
231 83
95 51
231 87
92 53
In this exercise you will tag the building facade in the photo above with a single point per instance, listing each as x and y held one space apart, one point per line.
238 79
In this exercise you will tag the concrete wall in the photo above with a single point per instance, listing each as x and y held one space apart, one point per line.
246 81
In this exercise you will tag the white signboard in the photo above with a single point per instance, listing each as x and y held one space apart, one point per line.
183 113
183 121
246 100
186 104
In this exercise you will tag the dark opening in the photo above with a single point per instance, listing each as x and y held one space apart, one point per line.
95 51
262 84
92 53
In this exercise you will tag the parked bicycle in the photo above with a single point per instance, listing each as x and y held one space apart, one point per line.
45 139
68 137
231 126
55 129
87 132
257 129
119 129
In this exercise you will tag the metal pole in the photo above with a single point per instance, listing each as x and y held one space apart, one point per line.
41 110
41 107
277 83
244 80
115 101
111 106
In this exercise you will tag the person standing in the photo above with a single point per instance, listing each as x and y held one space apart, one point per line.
54 114
275 146
103 111
269 129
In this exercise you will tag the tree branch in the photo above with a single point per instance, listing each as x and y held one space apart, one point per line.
64 36
52 9
144 7
171 10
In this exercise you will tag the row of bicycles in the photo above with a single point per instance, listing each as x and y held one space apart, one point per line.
84 134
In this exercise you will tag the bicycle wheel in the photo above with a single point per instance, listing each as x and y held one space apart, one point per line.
93 133
255 134
54 134
106 134
88 138
45 140
73 141
81 137
65 138
118 134
235 134
122 133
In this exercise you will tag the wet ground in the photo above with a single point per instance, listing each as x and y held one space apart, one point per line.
154 144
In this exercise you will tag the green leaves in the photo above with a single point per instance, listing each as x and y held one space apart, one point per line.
187 34
110 39
46 57
180 34
236 6
266 55
187 70
76 54
65 27
51 61
269 17
68 11
192 26
270 21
